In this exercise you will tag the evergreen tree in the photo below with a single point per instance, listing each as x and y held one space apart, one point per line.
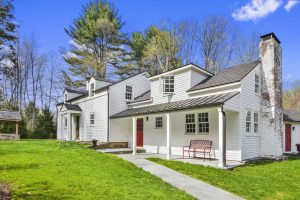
97 40
44 126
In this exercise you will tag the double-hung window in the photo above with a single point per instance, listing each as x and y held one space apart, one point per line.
168 84
248 122
92 119
203 123
128 92
158 122
66 122
190 125
255 122
92 92
256 84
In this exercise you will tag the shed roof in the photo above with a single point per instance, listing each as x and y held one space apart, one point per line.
291 115
212 100
6 115
226 76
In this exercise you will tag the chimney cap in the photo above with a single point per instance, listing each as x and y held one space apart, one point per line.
269 36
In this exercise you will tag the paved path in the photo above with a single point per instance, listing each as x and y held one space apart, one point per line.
194 187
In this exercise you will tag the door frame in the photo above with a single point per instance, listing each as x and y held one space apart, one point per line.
77 127
140 132
285 138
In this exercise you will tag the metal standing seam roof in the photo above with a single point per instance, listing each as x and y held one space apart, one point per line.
143 97
291 115
72 107
6 115
226 76
212 100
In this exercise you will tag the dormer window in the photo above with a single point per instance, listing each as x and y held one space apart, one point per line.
92 92
168 84
66 97
128 92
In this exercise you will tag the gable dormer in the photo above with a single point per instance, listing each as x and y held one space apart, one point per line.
172 85
95 83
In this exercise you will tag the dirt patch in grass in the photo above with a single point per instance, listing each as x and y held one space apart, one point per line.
4 192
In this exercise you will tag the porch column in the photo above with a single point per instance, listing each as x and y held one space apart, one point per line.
133 136
70 126
17 130
222 138
169 152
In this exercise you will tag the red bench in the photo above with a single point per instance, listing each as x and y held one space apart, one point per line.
198 146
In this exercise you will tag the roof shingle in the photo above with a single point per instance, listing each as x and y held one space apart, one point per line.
6 115
291 115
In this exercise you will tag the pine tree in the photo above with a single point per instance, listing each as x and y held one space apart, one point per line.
97 40
44 127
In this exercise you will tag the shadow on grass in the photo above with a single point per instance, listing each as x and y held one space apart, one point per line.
19 167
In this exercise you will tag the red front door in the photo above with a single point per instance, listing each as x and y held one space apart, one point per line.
140 134
287 137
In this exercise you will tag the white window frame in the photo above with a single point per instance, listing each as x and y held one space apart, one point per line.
203 122
256 84
189 123
248 122
169 84
255 122
92 121
128 93
66 97
92 92
159 121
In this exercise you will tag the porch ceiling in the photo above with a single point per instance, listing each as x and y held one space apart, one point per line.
212 100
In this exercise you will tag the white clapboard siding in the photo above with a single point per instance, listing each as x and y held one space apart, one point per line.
250 101
117 102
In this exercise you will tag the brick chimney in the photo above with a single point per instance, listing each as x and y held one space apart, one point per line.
271 95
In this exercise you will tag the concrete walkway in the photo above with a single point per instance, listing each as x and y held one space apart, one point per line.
194 187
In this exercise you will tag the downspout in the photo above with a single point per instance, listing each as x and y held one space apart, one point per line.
224 135
108 115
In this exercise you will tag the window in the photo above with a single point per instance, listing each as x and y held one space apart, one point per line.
158 122
92 119
168 84
190 125
255 122
66 122
248 122
128 93
93 89
66 97
203 123
256 83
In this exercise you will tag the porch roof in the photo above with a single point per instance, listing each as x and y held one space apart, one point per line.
72 107
212 100
6 115
291 115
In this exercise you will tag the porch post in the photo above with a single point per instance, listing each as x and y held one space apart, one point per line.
133 136
168 136
70 126
17 130
222 138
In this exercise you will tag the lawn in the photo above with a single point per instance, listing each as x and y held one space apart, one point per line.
263 180
46 169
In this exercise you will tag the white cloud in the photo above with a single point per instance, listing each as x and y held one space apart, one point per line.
290 4
256 9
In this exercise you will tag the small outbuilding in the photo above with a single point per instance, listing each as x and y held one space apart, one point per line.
10 116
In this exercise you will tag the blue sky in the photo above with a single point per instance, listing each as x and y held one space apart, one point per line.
46 19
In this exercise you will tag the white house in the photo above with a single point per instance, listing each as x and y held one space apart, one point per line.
238 109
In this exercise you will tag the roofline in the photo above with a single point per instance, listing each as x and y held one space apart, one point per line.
140 102
272 35
190 65
258 60
214 87
87 94
130 77
168 111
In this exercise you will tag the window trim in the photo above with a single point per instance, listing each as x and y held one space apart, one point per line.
164 78
92 124
128 92
255 123
161 121
248 121
190 123
203 122
256 84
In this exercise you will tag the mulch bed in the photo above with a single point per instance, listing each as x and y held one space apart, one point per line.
4 192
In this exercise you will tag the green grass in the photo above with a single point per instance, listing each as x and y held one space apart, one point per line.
46 169
262 180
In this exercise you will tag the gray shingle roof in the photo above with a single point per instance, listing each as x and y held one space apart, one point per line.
226 76
72 107
291 115
143 97
75 90
6 115
212 100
